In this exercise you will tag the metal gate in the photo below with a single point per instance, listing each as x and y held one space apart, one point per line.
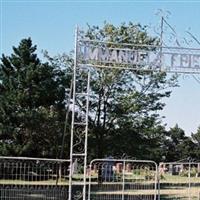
33 178
179 180
113 179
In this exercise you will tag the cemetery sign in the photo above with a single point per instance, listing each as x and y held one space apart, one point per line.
169 59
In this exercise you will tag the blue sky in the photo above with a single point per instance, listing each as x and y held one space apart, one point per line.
51 26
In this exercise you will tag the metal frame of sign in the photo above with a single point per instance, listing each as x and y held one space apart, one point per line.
109 55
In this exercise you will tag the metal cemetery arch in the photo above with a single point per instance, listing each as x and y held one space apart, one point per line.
92 53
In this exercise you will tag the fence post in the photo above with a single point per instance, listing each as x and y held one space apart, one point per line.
89 186
123 179
189 179
158 180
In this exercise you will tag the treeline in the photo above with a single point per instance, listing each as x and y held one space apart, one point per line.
124 105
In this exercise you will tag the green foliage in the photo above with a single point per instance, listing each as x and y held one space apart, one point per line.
144 173
32 103
185 172
126 103
136 171
178 146
196 140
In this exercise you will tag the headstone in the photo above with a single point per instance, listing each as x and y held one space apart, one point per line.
105 171
170 169
119 167
128 167
75 167
95 169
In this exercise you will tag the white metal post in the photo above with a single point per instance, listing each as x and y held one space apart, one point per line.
161 41
73 115
89 186
86 135
189 180
123 179
157 182
158 176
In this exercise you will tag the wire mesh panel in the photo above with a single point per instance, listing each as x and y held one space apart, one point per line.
122 180
33 178
179 181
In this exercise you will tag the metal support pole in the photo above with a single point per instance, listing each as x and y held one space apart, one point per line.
189 180
123 179
157 182
73 115
161 31
89 187
161 40
86 135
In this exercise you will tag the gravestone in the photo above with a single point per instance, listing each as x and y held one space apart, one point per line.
105 171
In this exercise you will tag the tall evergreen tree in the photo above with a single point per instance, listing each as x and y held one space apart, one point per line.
178 146
196 140
32 97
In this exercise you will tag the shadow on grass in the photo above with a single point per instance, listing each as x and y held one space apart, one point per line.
171 197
